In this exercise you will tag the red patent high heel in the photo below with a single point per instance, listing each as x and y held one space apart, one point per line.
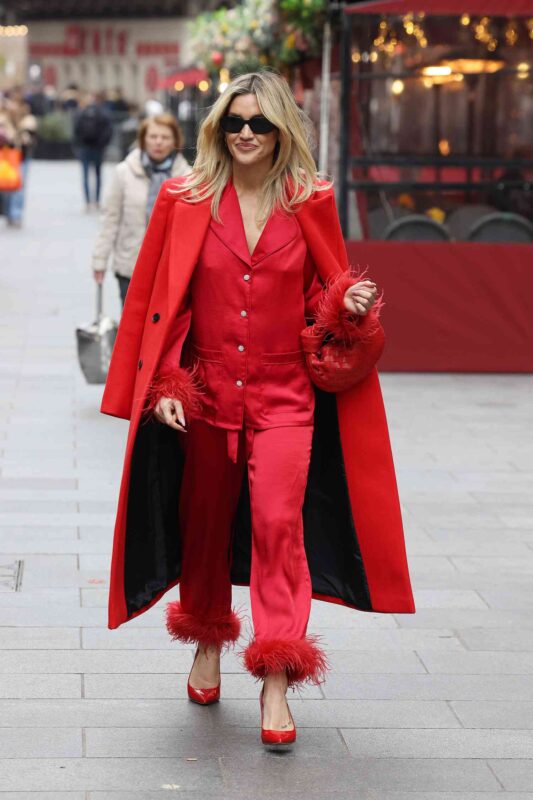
204 697
276 738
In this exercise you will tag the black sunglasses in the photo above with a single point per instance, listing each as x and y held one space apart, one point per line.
231 123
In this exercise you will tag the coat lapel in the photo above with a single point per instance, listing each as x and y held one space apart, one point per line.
189 227
321 228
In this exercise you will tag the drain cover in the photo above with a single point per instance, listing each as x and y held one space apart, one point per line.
11 576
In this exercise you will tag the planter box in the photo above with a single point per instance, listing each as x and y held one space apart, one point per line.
53 150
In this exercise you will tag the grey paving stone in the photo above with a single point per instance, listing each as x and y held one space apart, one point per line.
94 531
54 546
515 775
350 775
477 663
440 744
362 794
519 639
54 520
348 714
485 539
448 796
232 741
477 581
39 638
43 795
39 743
38 561
20 533
438 639
335 616
510 598
35 598
107 662
448 598
471 622
105 713
94 598
104 773
98 506
382 661
36 685
12 468
431 566
37 506
494 714
95 562
128 637
308 713
513 482
491 564
429 687
174 686
53 616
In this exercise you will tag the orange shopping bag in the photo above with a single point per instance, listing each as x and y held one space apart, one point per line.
10 174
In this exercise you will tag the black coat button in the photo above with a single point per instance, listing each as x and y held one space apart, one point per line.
140 364
156 318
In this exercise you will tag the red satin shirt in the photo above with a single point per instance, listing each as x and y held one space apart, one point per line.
245 314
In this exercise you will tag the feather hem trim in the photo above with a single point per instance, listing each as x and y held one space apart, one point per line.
301 659
221 631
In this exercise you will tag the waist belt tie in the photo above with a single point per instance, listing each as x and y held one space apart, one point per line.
233 443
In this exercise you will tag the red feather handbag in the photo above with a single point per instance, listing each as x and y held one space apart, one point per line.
342 348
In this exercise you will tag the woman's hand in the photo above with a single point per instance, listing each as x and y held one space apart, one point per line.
170 412
99 275
360 297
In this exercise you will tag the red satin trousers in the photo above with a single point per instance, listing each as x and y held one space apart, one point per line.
280 584
278 463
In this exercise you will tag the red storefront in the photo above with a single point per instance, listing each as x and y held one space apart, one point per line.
456 137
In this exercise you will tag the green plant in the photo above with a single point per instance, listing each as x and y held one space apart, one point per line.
54 127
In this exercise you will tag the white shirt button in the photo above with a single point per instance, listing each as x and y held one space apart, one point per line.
244 313
239 383
240 348
246 277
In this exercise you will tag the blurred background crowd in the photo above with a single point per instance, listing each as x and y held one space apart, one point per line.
422 114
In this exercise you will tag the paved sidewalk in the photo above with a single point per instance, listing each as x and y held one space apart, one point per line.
431 706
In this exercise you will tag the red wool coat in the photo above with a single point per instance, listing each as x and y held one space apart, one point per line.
352 521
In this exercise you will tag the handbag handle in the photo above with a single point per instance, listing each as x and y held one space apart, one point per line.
99 301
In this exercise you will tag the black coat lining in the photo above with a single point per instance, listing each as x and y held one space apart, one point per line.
152 546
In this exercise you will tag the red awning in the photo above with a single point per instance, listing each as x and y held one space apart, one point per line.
189 77
495 8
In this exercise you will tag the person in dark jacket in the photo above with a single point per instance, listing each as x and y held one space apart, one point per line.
92 133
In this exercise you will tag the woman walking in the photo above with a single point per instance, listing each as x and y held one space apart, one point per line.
238 470
131 196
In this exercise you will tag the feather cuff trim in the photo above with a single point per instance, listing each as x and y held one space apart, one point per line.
180 384
333 317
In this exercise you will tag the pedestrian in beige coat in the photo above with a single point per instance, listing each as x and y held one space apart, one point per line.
131 195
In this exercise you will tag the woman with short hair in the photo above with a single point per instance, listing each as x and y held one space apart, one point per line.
131 196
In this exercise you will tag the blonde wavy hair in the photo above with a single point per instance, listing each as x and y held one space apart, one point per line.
293 176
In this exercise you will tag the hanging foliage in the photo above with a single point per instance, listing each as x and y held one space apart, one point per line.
256 33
